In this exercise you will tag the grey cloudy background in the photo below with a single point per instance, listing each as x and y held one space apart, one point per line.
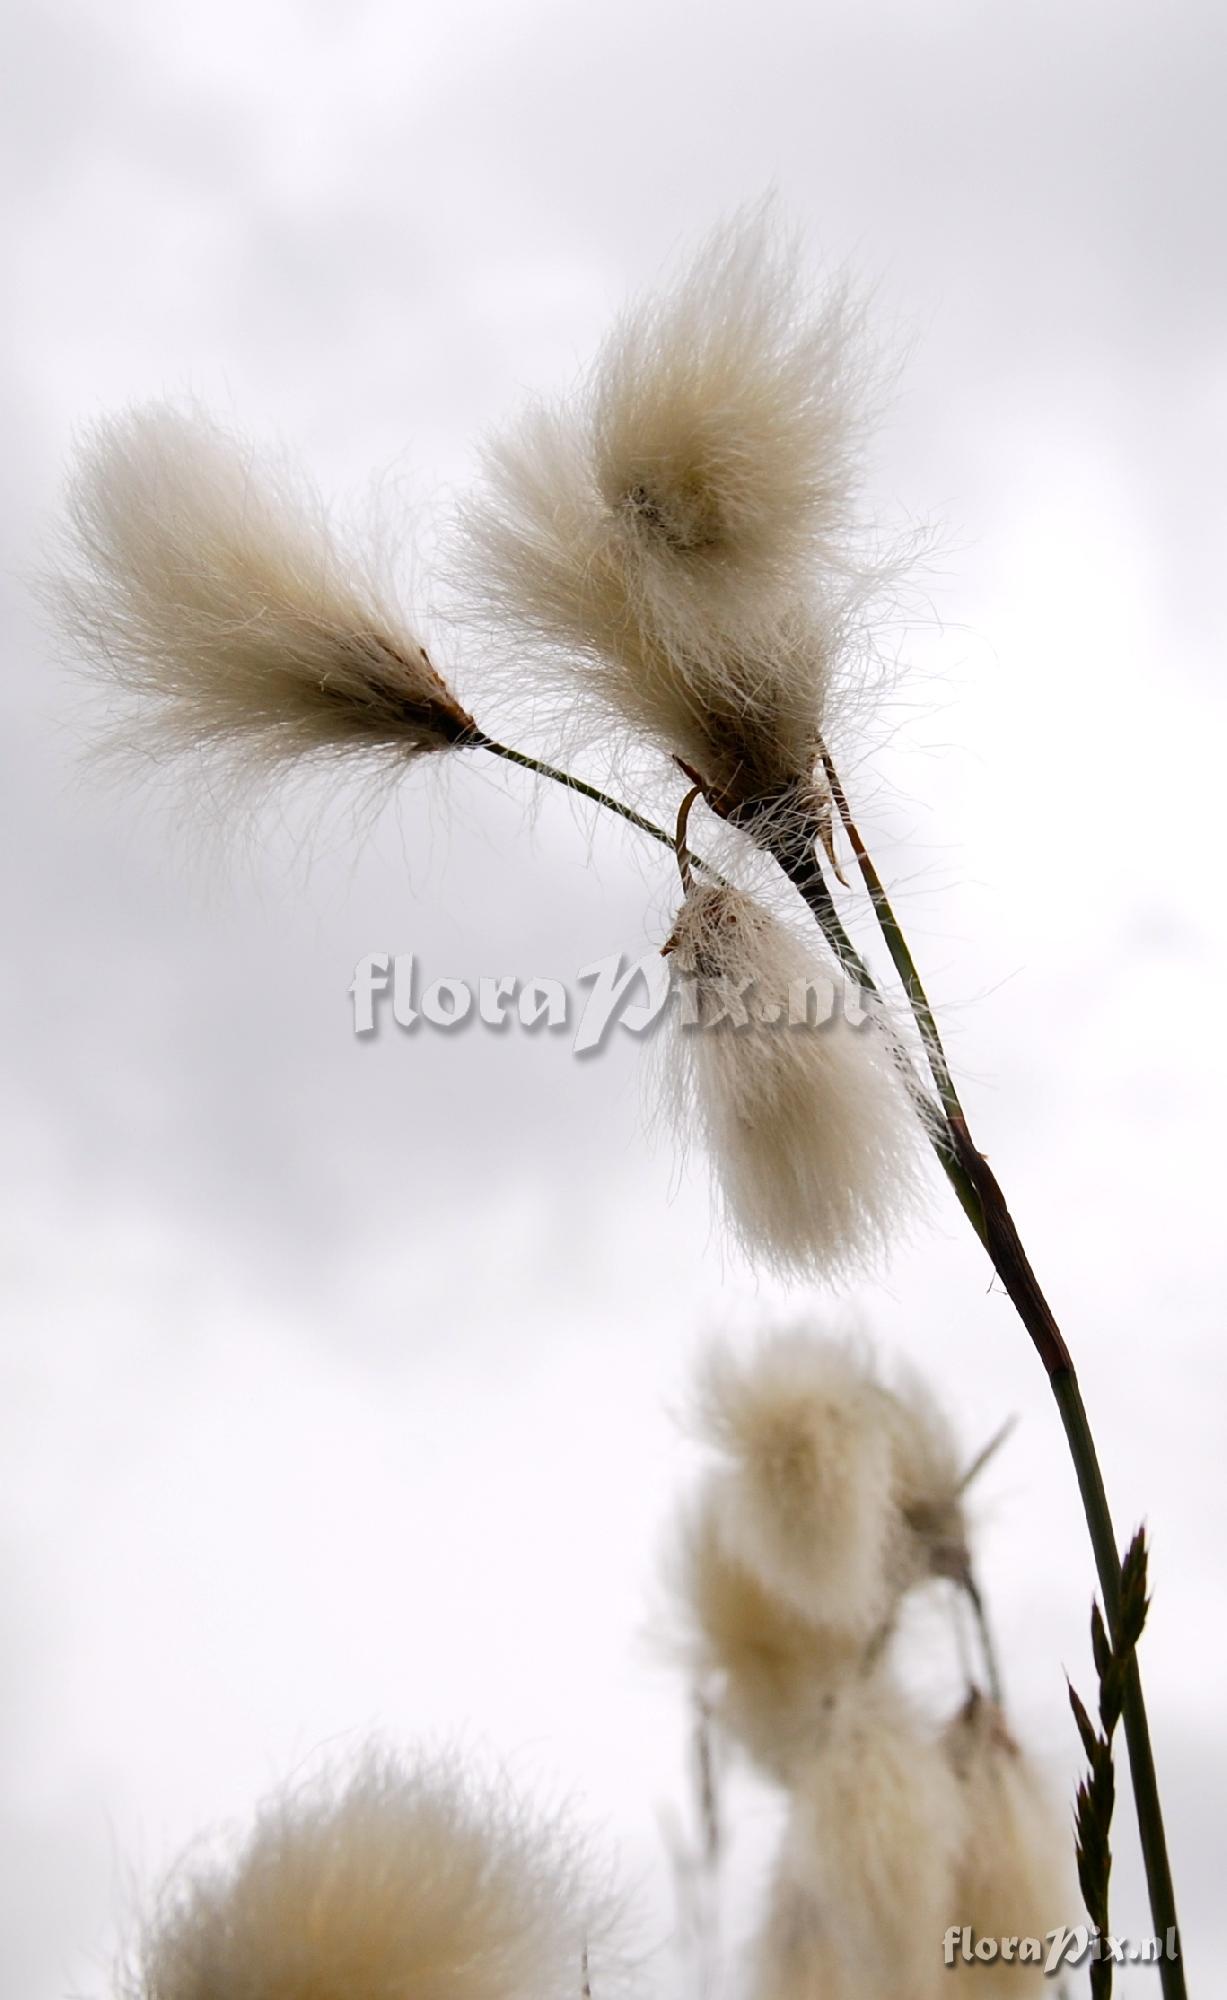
338 1375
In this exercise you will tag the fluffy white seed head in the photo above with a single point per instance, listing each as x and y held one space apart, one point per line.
805 1495
813 1136
1013 1876
405 1883
864 1879
678 537
836 1493
223 601
770 1674
727 413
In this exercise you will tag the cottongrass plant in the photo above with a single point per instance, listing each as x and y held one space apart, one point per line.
1012 1868
219 595
396 1880
830 1497
837 1491
813 1135
677 543
672 558
861 1893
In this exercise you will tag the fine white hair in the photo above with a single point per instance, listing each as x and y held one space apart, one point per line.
402 1879
769 1673
221 598
813 1135
1013 1877
862 1888
806 1486
677 541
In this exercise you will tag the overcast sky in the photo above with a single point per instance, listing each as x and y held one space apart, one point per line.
339 1375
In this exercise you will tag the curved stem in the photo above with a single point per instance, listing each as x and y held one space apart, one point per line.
687 859
897 946
476 739
796 849
680 848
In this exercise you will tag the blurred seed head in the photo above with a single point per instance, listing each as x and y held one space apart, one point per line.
770 1674
1014 1876
805 1495
863 1881
403 1879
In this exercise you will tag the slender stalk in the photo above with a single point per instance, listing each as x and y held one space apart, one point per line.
476 739
796 847
680 848
1143 1775
988 1651
687 859
986 1453
897 946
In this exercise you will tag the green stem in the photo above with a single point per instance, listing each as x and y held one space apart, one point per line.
1143 1775
476 739
796 848
900 952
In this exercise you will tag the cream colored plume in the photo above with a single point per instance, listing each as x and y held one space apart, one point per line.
864 1879
805 1498
813 1136
403 1883
224 602
1014 1876
769 1673
678 538
831 1496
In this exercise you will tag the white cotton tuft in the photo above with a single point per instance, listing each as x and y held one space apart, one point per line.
223 601
770 1674
404 1881
805 1496
1013 1877
679 538
727 413
813 1135
863 1882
